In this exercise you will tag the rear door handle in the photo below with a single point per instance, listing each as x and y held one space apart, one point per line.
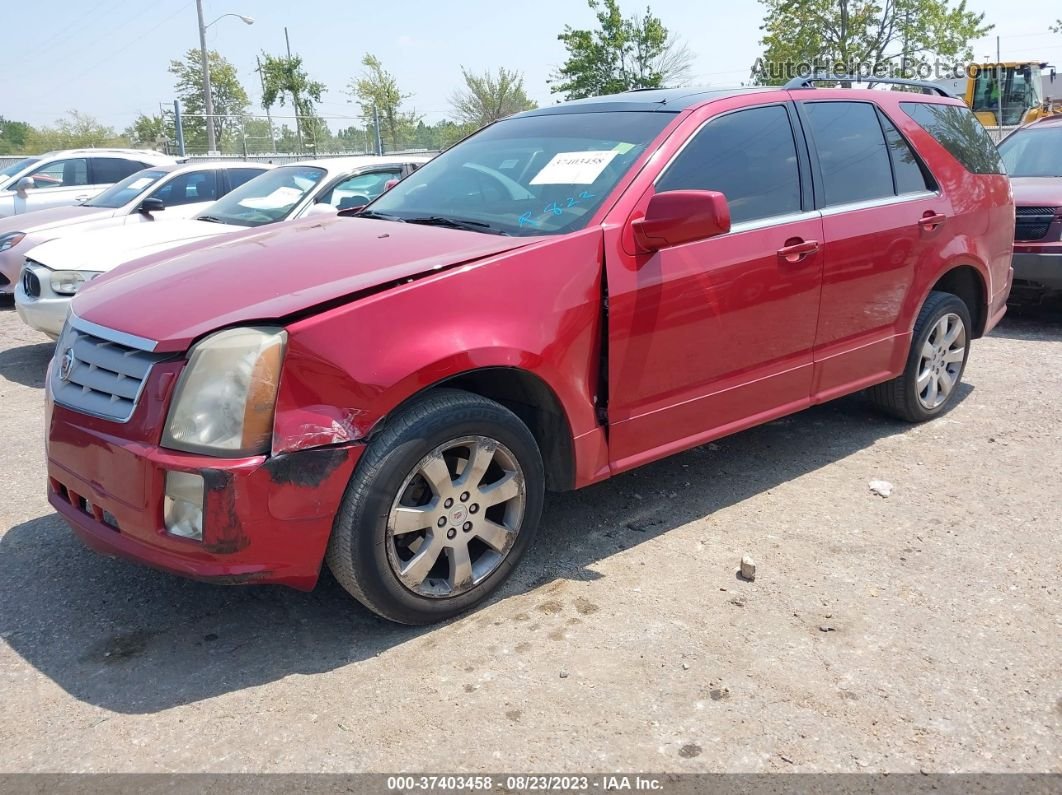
932 220
797 250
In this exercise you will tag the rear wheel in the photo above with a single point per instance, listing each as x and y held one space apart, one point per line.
940 346
440 510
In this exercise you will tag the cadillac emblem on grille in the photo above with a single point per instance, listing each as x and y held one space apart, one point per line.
66 365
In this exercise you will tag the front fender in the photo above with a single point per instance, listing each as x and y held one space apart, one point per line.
536 309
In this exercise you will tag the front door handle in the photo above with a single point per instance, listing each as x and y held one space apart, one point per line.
797 250
82 197
931 220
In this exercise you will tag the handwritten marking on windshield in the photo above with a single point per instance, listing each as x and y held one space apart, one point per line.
555 208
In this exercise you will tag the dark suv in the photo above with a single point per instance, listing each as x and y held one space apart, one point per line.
569 293
1033 156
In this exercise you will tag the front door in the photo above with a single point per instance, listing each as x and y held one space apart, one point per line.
714 336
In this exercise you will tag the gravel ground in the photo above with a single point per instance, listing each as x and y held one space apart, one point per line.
917 632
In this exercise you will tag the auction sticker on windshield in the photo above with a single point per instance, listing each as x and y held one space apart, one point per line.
281 197
574 168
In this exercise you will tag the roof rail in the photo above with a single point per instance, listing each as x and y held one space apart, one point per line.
870 80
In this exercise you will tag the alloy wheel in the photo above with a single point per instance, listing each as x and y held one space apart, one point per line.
941 361
456 517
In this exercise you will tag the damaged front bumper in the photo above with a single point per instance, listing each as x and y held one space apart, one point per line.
265 519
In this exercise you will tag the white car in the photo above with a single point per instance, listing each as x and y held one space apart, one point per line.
54 271
68 177
159 193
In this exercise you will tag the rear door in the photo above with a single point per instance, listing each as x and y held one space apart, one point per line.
883 218
712 336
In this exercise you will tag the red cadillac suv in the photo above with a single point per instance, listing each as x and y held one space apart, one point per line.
570 293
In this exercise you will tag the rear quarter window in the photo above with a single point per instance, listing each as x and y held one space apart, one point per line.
957 129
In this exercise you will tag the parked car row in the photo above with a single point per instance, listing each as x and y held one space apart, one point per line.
67 177
60 250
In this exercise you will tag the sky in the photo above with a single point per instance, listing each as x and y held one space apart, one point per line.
109 58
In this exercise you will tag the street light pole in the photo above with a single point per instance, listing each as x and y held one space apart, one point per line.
208 99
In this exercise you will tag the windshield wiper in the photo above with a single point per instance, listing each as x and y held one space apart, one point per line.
376 215
211 218
455 223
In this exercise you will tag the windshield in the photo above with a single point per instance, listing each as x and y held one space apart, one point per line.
9 171
1034 152
267 198
121 193
531 175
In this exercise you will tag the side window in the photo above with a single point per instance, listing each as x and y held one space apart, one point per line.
853 158
957 129
354 190
749 156
910 173
62 174
238 176
108 170
195 186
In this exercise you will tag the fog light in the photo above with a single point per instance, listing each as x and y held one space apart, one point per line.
183 508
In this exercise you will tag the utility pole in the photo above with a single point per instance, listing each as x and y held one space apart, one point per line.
208 100
269 116
178 128
294 99
999 86
376 125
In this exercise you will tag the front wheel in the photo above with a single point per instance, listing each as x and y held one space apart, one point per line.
440 510
940 346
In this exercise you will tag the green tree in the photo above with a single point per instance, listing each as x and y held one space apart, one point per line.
619 55
148 130
377 88
13 136
488 97
77 130
230 99
872 35
284 79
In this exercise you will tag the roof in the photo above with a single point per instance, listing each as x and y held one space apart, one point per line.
359 161
666 100
141 154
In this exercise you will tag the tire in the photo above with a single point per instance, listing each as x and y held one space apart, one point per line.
902 397
397 541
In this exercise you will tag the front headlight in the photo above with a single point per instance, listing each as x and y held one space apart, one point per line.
69 282
225 398
10 240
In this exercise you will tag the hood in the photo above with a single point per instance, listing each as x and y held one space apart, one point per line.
271 273
43 220
1037 191
103 250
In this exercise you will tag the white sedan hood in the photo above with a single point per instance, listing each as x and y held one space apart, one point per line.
105 249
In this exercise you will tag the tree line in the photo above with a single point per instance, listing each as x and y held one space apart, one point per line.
616 54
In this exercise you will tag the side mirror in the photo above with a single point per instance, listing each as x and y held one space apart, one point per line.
151 205
681 216
321 208
26 183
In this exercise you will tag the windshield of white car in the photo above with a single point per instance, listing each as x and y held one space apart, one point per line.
121 193
529 175
9 171
1034 152
267 198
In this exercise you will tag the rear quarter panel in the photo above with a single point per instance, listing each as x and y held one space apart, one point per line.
980 223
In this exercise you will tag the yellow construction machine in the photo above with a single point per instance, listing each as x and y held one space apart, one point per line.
1011 94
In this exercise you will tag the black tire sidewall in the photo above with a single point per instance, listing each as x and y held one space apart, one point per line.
389 466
